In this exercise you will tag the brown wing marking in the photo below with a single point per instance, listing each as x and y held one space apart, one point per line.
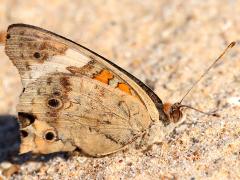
76 56
85 113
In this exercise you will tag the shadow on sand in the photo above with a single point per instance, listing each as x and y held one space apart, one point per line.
10 141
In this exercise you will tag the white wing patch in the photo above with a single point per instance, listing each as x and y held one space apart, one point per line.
54 64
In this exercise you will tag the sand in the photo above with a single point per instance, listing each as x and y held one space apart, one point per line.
167 45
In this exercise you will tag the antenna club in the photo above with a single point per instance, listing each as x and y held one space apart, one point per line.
232 44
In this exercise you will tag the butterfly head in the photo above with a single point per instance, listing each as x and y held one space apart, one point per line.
173 111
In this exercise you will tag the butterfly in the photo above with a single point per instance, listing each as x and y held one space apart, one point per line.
74 98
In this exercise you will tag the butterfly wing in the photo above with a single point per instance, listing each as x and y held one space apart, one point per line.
80 111
40 55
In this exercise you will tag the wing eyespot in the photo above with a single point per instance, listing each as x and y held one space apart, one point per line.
24 133
50 135
26 119
54 103
37 55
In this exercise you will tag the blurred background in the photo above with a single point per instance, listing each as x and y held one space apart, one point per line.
167 45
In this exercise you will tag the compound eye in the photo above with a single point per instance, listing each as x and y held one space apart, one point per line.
176 115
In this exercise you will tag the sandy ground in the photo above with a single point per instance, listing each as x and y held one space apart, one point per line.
166 44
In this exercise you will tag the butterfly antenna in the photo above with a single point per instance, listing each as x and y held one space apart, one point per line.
232 44
213 113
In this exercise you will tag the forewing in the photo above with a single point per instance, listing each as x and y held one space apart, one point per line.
37 52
